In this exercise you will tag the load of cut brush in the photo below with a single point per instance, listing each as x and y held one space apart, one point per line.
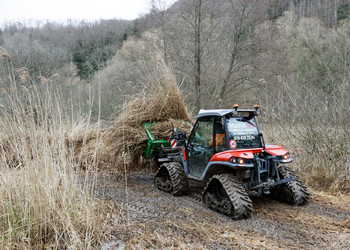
164 130
161 102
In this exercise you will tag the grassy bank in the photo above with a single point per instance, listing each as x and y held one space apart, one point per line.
43 201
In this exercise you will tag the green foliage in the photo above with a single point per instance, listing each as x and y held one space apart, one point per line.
49 49
13 222
90 56
343 12
130 31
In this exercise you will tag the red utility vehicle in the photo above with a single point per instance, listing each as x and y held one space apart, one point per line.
227 152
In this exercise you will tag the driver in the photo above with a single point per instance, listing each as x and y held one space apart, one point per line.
219 135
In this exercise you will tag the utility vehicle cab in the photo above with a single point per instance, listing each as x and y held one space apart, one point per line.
219 130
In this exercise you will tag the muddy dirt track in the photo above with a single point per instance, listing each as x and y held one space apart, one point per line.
159 220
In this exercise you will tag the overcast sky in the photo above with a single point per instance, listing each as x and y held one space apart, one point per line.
60 10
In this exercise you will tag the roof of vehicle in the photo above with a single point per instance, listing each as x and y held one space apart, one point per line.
218 112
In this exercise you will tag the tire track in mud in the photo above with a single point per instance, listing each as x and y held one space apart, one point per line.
144 202
320 224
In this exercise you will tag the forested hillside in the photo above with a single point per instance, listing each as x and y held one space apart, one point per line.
221 50
292 57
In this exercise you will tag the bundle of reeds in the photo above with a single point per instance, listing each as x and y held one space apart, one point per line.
164 130
161 102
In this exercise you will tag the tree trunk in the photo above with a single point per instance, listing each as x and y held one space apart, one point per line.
197 54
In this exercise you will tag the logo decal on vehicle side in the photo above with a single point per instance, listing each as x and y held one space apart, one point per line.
233 144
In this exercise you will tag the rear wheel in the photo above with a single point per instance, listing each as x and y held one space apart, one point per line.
162 180
225 194
171 178
293 192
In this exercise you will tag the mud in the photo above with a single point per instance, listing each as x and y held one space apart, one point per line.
156 219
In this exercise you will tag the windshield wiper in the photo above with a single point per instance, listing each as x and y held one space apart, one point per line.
251 123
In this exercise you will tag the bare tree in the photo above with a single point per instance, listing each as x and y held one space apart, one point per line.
192 44
244 16
197 50
159 15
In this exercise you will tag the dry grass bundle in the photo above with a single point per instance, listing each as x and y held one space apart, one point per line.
80 139
165 129
161 101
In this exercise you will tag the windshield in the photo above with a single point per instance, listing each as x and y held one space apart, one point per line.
243 133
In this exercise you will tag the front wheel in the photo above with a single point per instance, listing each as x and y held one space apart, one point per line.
225 194
293 192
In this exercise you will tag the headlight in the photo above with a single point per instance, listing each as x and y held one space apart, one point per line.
239 161
286 156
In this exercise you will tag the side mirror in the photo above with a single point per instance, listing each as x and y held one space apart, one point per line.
180 137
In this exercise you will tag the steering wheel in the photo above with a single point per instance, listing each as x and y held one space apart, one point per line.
198 151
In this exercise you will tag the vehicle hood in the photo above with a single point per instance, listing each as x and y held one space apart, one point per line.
248 153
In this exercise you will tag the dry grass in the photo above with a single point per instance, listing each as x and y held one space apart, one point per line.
161 101
164 130
320 153
43 201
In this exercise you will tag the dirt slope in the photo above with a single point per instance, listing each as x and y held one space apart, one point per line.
159 220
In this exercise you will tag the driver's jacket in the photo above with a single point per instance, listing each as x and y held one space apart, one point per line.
219 138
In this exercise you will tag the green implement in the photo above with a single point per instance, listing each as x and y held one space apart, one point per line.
152 146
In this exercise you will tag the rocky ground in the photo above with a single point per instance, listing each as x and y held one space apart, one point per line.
154 219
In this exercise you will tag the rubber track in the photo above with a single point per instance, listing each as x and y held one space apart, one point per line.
195 197
299 192
178 178
239 198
